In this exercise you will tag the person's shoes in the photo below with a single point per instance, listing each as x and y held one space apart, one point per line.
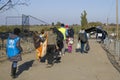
14 76
60 53
85 52
69 51
81 52
63 54
49 65
13 73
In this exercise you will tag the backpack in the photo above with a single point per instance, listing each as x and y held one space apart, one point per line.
60 36
83 37
70 32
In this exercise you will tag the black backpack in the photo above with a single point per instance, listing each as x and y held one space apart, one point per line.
83 37
70 32
60 36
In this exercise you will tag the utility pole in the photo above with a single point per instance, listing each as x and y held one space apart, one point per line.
107 26
117 26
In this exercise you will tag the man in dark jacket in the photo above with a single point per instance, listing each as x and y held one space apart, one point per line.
82 37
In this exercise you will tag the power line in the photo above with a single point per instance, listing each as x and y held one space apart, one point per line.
38 19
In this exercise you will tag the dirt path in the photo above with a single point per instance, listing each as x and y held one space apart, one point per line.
75 66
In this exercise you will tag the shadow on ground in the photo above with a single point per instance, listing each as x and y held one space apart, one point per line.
77 50
24 66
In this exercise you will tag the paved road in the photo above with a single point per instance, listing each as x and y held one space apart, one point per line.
74 66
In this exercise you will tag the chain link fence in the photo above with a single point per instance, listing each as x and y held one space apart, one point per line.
112 47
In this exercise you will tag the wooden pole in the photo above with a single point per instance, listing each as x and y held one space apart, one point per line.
107 26
117 28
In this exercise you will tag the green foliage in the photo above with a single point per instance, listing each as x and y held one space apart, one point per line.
36 28
39 28
94 24
3 28
53 24
8 28
84 22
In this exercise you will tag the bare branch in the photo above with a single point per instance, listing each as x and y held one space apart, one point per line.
8 4
5 4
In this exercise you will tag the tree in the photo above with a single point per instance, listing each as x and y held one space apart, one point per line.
84 22
58 23
53 24
8 4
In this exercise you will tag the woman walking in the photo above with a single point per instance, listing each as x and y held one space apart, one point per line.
37 45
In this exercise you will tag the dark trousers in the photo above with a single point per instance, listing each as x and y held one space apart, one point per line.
13 69
60 45
82 47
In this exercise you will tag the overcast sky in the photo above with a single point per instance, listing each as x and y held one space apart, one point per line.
66 11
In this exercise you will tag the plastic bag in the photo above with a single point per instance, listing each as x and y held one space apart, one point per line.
87 47
78 45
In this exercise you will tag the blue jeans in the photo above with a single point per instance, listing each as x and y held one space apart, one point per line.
82 47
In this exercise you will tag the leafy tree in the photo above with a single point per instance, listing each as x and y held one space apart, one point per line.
84 22
53 24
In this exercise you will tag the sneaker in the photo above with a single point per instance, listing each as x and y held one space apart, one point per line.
85 52
14 76
63 54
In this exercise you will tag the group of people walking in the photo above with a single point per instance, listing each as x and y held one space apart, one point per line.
64 35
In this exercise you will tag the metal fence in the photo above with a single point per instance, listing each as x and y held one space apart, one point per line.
112 46
26 43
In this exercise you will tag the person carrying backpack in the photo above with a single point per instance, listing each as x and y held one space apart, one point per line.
56 47
59 39
82 37
63 30
13 50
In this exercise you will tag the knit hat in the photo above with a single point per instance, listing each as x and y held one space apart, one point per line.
66 26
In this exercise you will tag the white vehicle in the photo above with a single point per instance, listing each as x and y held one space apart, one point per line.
99 37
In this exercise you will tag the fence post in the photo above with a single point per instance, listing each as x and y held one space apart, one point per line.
117 50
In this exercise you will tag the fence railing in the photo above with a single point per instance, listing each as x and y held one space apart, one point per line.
112 46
